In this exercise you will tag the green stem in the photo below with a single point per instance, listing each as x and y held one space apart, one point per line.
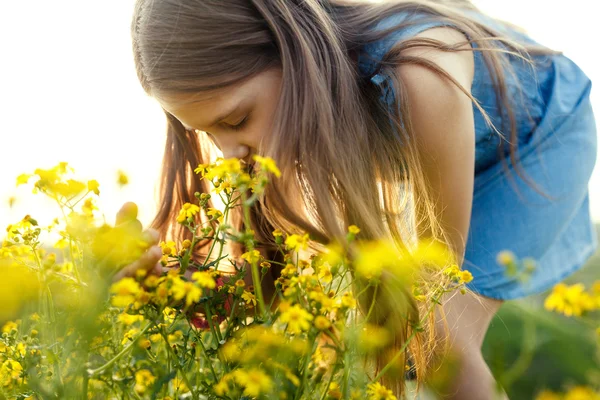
48 302
185 261
372 303
362 291
525 356
229 325
99 370
329 382
207 358
254 267
304 373
346 373
177 366
216 330
340 283
84 386
75 268
212 246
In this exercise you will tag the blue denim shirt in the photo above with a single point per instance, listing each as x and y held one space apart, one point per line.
556 141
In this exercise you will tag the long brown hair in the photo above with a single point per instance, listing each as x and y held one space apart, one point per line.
326 112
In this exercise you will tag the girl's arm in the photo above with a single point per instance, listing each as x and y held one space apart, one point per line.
442 118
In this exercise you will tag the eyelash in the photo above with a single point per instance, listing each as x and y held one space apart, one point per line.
239 125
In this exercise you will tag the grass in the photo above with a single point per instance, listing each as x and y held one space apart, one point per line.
530 349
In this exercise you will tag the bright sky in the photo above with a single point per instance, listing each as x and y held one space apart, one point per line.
70 93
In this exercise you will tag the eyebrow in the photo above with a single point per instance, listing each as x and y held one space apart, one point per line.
220 118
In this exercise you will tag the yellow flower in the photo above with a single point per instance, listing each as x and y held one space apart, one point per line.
124 292
325 273
277 233
582 393
10 372
297 242
222 388
187 210
465 276
181 289
376 391
174 337
430 252
169 314
353 229
229 166
548 395
249 298
145 344
201 169
129 335
333 390
93 186
321 323
88 207
21 349
569 300
129 319
267 164
297 319
179 385
155 337
230 351
505 257
204 279
215 214
9 326
252 257
143 379
168 248
68 189
23 179
122 179
347 300
377 256
254 381
374 337
225 186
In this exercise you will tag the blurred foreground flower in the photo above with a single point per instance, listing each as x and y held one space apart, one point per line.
197 331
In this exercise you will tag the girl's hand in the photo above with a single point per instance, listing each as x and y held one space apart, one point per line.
149 261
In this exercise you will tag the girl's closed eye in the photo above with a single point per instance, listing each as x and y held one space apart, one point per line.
239 125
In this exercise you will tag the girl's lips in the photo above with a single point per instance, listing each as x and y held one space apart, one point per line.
198 318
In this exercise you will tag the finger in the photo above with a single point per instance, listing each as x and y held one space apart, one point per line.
151 236
133 226
146 262
157 270
128 212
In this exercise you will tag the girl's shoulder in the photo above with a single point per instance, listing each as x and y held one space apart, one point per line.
407 24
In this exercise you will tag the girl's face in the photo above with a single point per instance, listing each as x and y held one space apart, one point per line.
237 117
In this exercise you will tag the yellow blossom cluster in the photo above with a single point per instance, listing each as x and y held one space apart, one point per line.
573 300
188 331
574 393
128 292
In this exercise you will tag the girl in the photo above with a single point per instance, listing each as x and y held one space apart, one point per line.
376 112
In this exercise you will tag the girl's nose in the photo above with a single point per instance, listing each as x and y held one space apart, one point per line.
238 151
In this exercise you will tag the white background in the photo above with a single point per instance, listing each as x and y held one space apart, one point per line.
68 92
